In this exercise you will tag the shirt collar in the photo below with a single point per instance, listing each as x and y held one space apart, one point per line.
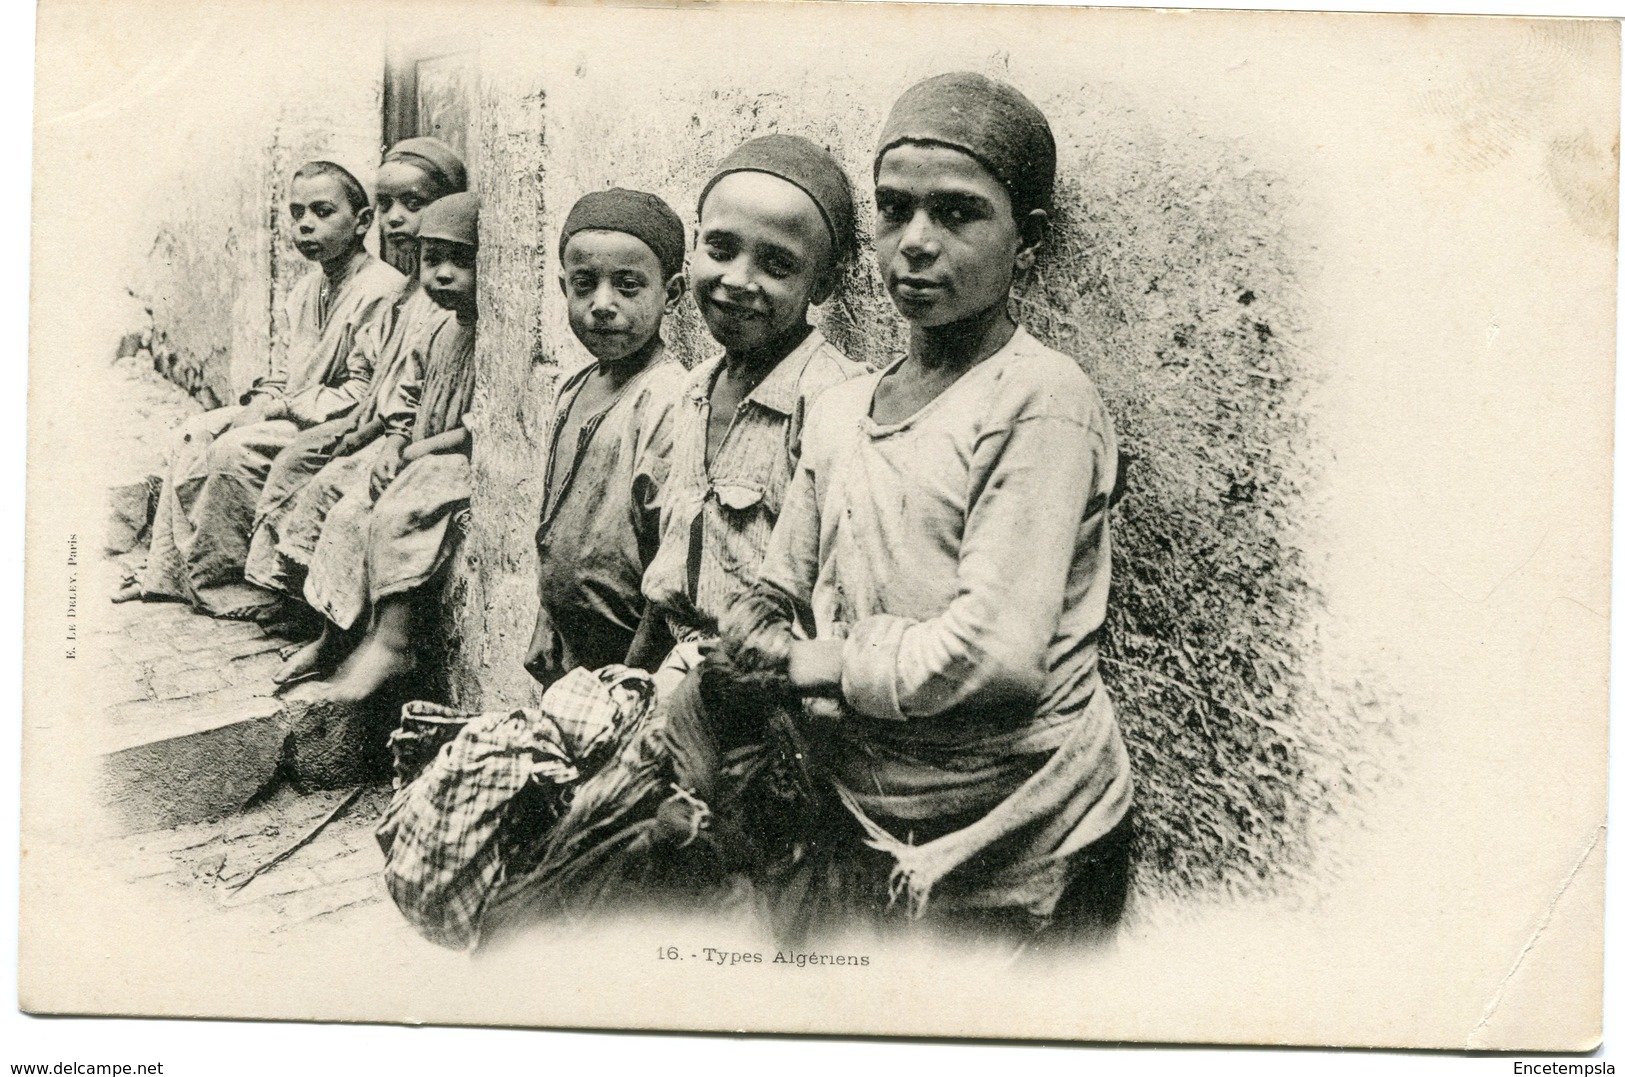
778 391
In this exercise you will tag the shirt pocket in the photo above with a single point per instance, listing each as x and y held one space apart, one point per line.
743 519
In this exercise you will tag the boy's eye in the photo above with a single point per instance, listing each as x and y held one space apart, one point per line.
412 205
323 212
720 250
628 286
892 210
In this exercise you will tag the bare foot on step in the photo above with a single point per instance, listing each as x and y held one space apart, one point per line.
319 653
373 665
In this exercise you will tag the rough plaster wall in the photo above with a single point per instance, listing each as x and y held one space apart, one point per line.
489 599
214 263
1175 277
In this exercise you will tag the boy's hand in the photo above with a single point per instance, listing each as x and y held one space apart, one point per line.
540 662
388 466
257 412
348 444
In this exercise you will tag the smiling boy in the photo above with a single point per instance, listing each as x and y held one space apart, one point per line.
205 509
775 224
621 272
946 546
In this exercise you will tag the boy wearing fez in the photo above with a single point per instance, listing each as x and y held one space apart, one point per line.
391 532
205 509
621 271
944 554
775 223
309 476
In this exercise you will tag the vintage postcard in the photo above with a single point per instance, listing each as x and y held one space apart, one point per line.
878 519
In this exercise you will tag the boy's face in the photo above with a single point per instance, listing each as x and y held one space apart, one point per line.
404 191
946 240
616 292
325 228
447 274
764 255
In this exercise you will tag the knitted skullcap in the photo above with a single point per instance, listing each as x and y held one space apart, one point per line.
809 167
356 192
454 218
991 121
640 215
438 160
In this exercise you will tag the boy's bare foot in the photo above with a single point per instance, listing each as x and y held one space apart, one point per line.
372 666
128 593
317 654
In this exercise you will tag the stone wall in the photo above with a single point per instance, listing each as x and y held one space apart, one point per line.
1175 278
215 265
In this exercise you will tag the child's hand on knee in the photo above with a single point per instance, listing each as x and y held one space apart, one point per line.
388 465
261 410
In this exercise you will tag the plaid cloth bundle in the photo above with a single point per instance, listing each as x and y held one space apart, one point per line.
451 833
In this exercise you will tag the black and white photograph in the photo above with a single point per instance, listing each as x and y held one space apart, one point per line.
915 520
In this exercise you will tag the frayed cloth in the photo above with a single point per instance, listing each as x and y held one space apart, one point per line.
484 803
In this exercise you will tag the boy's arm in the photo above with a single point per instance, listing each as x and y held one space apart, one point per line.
650 468
361 436
388 464
1036 477
456 439
652 642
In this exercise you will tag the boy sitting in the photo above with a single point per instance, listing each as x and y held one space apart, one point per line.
776 222
390 534
310 475
621 271
205 508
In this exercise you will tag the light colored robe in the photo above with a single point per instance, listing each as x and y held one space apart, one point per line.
963 555
307 479
206 505
370 550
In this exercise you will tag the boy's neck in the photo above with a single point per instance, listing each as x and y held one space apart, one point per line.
338 267
752 367
468 315
630 366
964 343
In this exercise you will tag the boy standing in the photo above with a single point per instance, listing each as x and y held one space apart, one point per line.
946 542
206 505
776 222
621 271
390 534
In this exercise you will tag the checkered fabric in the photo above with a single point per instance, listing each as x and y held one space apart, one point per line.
449 833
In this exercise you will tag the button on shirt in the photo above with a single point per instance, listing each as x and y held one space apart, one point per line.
716 521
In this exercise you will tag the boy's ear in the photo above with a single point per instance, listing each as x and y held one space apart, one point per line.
363 220
564 286
1035 229
827 281
676 285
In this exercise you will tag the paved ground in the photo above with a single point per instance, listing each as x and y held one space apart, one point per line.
189 734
